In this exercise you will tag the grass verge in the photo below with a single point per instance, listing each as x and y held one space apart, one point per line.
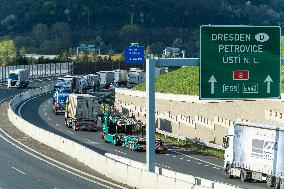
202 149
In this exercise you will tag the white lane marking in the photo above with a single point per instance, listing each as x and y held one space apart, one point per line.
163 166
203 161
91 141
181 158
216 168
70 132
60 165
20 108
18 170
120 152
206 165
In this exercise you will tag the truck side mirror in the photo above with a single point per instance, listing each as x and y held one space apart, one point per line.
225 142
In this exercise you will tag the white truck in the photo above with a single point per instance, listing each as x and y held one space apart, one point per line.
18 78
67 81
120 76
255 152
81 111
135 76
106 78
93 81
160 71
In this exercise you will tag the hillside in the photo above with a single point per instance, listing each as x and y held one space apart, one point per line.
54 26
183 81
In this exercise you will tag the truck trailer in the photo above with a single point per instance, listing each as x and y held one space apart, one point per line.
135 76
93 81
255 151
120 76
18 78
70 81
106 78
81 111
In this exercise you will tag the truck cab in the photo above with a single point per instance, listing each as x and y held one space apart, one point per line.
59 99
18 78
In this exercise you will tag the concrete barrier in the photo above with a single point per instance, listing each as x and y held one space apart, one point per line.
128 172
274 116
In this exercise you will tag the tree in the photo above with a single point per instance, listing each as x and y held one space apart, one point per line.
7 52
61 36
40 33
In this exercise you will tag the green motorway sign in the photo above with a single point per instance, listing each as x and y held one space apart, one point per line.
239 62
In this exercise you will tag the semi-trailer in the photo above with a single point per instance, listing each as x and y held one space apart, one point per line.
255 151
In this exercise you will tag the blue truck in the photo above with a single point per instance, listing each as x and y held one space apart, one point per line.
59 99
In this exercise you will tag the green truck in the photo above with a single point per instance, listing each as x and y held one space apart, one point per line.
118 129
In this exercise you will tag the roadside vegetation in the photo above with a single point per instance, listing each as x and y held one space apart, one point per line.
192 145
183 81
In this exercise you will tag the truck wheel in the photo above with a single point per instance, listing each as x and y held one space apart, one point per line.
277 183
281 184
115 142
227 171
244 176
270 181
74 127
130 146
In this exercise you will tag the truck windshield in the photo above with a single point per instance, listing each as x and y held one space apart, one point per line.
13 76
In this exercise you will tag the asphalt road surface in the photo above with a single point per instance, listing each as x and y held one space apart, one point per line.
20 168
39 112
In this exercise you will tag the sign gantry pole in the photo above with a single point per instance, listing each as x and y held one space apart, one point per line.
150 114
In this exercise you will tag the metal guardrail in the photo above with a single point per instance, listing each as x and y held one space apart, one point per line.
39 70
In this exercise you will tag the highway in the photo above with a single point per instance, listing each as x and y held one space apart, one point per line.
39 112
21 168
24 170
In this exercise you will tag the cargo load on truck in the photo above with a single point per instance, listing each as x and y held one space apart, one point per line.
82 111
116 127
255 152
18 78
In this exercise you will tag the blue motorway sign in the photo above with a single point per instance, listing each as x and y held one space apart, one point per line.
134 54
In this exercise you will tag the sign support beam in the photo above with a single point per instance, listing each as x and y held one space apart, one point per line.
150 102
150 114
